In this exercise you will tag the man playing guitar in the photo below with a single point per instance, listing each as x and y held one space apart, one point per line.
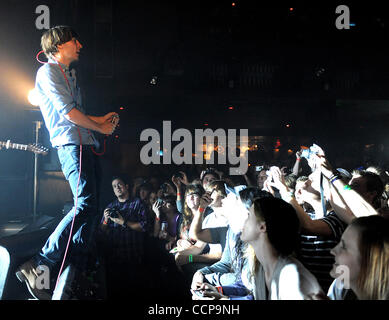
70 131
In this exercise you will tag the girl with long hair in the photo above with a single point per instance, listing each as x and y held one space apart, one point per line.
361 261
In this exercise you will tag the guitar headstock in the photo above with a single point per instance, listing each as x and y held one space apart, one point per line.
37 148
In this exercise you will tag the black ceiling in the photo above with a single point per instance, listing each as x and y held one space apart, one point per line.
188 61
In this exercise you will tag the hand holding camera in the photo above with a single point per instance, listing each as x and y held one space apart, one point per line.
106 215
180 178
205 200
113 215
310 155
278 179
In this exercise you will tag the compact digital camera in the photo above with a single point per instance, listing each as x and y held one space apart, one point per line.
308 153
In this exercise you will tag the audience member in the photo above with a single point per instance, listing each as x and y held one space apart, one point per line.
143 192
166 220
191 254
180 181
361 261
124 211
121 238
192 197
232 267
261 177
229 246
208 176
271 229
360 198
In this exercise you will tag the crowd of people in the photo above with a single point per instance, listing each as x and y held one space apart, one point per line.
285 235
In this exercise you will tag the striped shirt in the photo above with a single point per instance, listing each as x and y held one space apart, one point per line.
315 250
125 244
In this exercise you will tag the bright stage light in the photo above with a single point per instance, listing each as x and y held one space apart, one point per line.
33 97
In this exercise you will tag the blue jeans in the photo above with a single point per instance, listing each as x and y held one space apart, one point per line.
86 210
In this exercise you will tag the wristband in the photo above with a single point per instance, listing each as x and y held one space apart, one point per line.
298 159
201 210
178 194
190 258
220 289
346 187
335 174
334 178
105 222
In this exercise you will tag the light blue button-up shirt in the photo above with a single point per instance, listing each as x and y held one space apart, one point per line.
56 99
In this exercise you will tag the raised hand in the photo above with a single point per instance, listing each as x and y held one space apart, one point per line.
278 179
267 186
324 166
205 200
184 178
176 181
312 161
157 208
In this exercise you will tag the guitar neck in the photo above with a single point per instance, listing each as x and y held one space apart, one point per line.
16 146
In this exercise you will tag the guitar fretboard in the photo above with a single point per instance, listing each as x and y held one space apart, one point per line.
14 145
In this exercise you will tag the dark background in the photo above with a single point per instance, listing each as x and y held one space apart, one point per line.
289 75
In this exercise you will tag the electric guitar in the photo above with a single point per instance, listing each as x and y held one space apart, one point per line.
36 148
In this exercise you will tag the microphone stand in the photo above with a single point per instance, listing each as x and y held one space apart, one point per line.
36 132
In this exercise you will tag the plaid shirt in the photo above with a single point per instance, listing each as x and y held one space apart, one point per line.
124 243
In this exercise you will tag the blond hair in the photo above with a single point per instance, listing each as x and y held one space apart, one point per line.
373 279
